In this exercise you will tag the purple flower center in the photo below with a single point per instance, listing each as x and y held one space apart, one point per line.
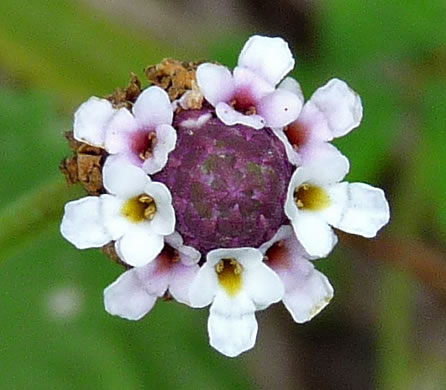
228 183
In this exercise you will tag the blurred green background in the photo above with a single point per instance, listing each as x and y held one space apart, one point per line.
384 329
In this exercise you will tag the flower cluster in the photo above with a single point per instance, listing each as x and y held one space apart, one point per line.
223 194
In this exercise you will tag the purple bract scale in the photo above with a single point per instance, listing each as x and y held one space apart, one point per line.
228 183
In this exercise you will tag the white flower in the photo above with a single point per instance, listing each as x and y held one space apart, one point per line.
333 111
307 291
236 283
136 213
248 96
135 292
317 200
143 137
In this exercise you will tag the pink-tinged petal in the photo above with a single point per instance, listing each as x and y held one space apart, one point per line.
271 58
215 82
153 108
114 221
284 232
82 223
164 220
263 286
232 325
314 233
333 110
204 287
282 249
137 247
307 296
311 125
123 179
166 138
127 298
291 85
230 117
357 208
91 119
188 255
155 275
249 88
279 108
291 152
181 278
119 132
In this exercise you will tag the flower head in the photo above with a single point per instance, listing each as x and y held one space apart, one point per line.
143 137
333 111
307 291
135 292
236 283
230 216
136 213
249 96
317 200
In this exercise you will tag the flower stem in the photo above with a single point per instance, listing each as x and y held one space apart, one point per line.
32 214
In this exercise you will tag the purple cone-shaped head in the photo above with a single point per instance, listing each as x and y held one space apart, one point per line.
228 183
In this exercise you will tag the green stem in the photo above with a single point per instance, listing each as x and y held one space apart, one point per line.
32 214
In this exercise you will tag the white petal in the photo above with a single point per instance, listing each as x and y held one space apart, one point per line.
123 179
340 106
82 223
215 83
293 156
166 138
247 257
326 163
232 325
263 286
204 287
358 208
127 298
113 219
153 108
181 279
279 108
90 121
306 298
300 176
314 233
138 248
230 117
119 131
291 85
164 220
323 164
271 58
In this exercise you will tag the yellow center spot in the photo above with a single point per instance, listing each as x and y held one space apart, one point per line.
308 197
229 273
140 208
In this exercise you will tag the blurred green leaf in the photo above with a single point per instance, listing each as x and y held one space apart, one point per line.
429 178
59 336
68 48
